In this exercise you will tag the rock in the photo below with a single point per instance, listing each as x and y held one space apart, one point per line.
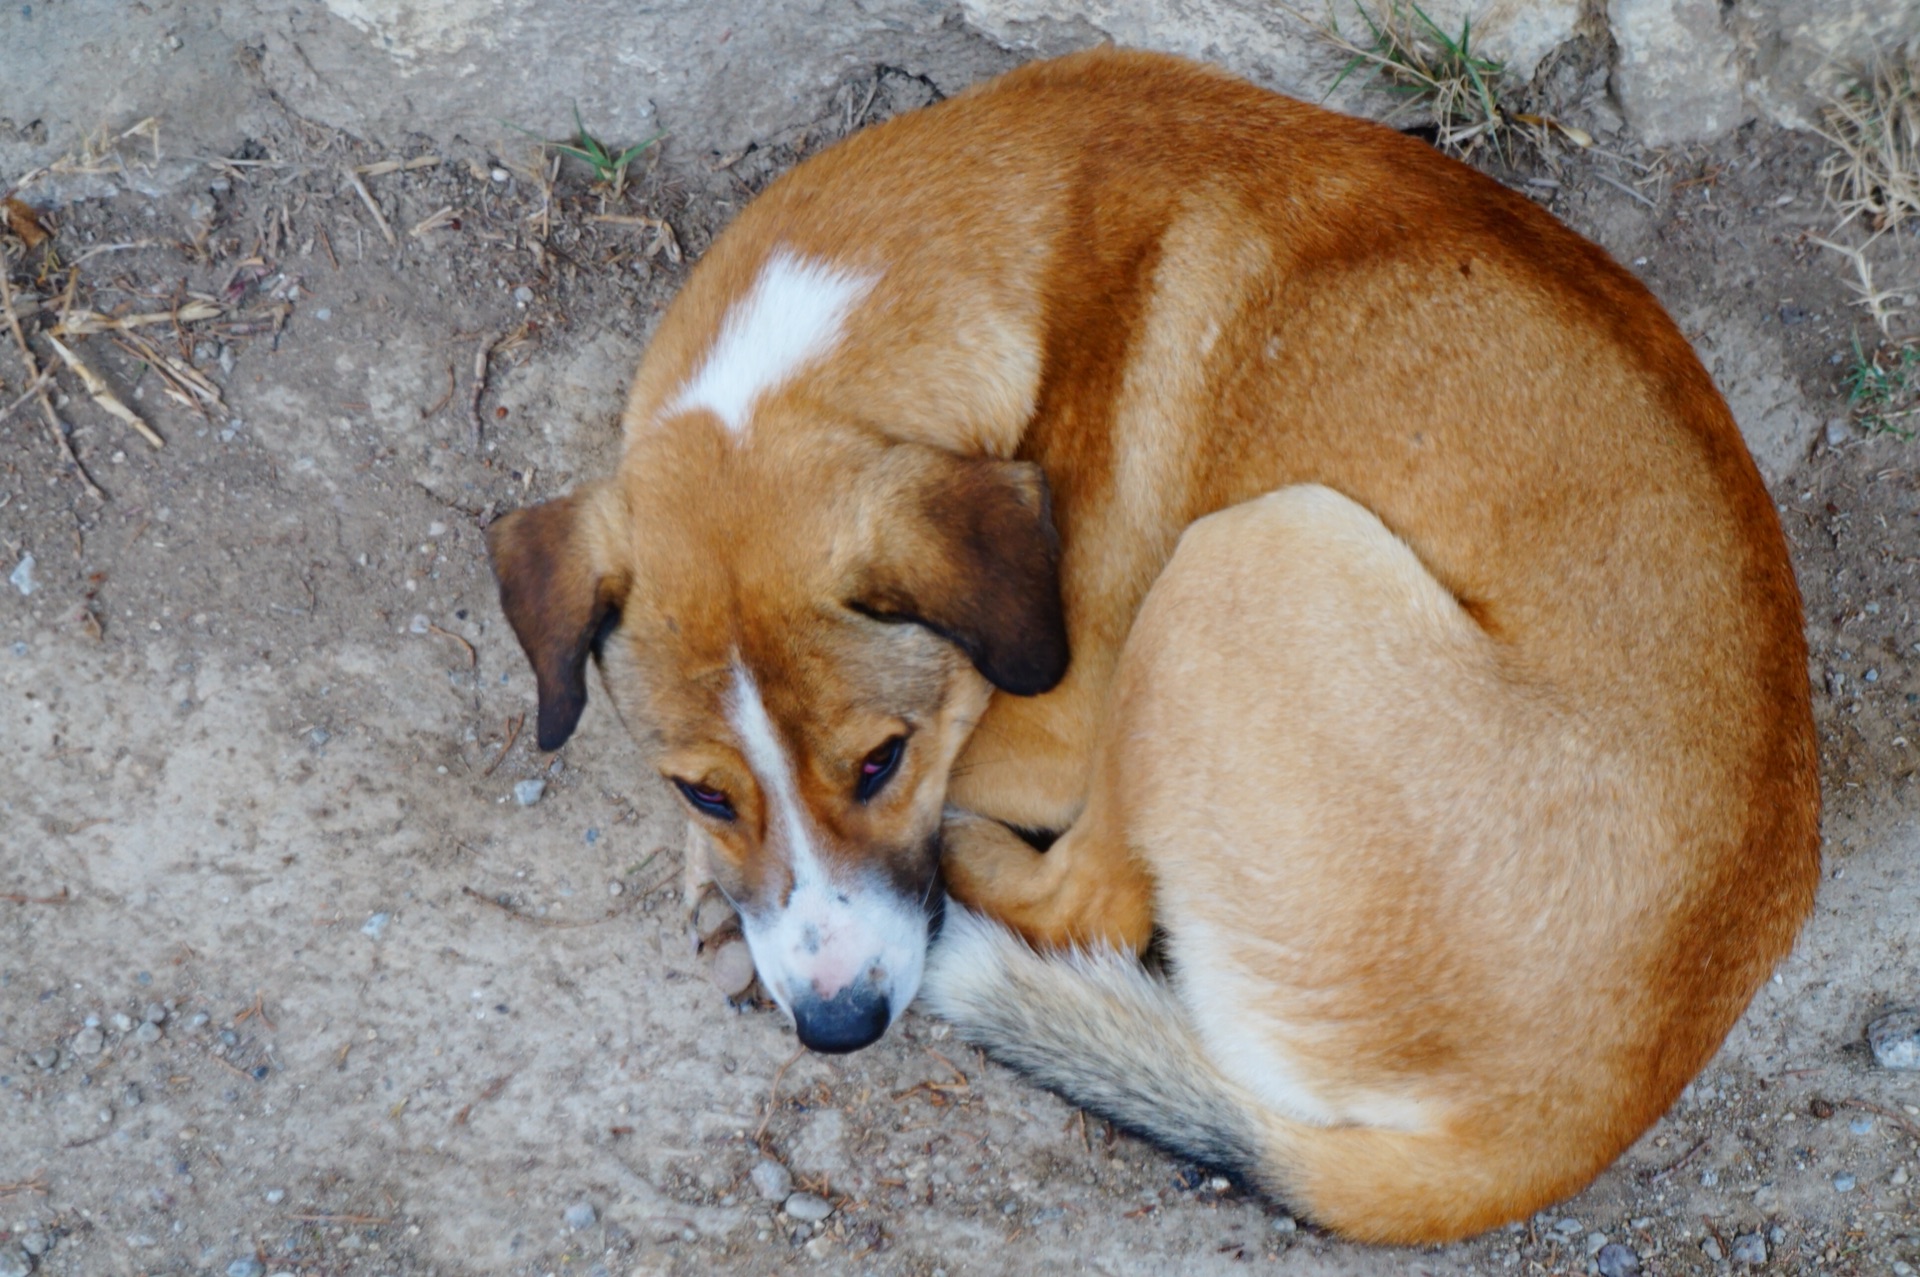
1895 1039
376 926
808 1208
147 1034
14 1262
1567 1227
1711 1249
22 575
1596 1242
1766 1200
275 1196
1675 71
581 1215
1615 1260
122 1021
247 1267
46 1058
89 1042
154 1013
1285 1224
730 967
1749 1249
528 792
1844 1182
771 1180
36 1243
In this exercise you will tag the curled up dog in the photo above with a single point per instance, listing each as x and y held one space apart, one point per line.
1120 501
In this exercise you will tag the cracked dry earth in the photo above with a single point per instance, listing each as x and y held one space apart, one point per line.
291 981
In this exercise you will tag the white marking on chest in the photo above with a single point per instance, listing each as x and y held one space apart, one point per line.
791 318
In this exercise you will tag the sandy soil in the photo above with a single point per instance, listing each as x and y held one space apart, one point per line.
263 726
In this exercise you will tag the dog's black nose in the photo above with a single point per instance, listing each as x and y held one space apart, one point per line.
850 1019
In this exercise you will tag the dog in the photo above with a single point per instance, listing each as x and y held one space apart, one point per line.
1133 504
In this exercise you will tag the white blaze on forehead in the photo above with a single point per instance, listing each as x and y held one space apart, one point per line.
827 933
791 317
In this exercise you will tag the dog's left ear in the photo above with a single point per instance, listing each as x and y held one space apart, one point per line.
558 588
974 557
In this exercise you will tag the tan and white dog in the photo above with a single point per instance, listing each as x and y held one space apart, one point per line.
1132 500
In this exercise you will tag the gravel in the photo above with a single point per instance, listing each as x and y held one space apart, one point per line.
771 1180
89 1042
1615 1260
1895 1039
1843 1182
528 792
275 1196
581 1215
808 1208
36 1242
154 1013
246 1267
1749 1249
376 926
147 1034
14 1262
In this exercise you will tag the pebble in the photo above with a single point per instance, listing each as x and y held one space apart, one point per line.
122 1021
36 1242
275 1196
528 792
1567 1226
1843 1183
154 1013
710 915
1766 1199
89 1042
1838 432
248 1267
46 1058
376 926
730 967
22 575
1895 1039
1749 1249
14 1262
808 1208
1899 1176
1285 1224
147 1034
1711 1249
581 1215
1596 1242
523 294
131 1097
771 1180
499 175
1615 1260
1902 1269
198 1020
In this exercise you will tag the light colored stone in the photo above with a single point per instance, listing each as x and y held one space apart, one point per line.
808 1208
730 967
1748 365
1796 52
1676 76
1895 1039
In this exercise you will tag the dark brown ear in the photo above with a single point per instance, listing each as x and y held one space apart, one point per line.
976 560
558 592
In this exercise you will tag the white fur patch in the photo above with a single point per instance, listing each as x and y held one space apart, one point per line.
826 934
791 318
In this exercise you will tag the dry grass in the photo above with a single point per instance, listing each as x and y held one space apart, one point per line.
1419 62
1874 172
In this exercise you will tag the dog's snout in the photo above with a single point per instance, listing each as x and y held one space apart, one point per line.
854 1017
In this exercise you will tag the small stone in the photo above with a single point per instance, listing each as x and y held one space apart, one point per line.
499 176
1709 1179
154 1013
1776 1235
198 1020
1843 1182
1567 1226
581 1215
247 1267
36 1242
1711 1249
376 926
1901 1268
89 1042
1895 1039
1766 1199
710 915
730 967
122 1021
1285 1224
528 792
808 1208
1615 1260
523 294
275 1196
1899 1176
22 575
771 1180
1861 1126
46 1058
1596 1242
131 1097
14 1262
1749 1249
1839 430
147 1034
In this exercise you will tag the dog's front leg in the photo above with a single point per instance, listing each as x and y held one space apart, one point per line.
1085 889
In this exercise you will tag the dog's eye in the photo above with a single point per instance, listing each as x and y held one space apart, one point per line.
878 768
708 802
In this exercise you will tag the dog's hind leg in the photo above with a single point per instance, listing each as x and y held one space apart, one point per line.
1085 889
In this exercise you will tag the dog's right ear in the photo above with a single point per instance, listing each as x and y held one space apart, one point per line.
559 588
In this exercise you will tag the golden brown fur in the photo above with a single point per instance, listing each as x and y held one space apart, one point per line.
1470 773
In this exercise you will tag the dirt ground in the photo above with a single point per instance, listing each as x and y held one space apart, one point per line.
290 981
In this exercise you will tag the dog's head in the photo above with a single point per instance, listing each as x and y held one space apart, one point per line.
801 634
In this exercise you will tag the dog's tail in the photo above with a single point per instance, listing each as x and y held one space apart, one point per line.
1105 1034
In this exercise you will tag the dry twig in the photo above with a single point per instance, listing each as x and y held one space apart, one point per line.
33 374
513 734
366 197
103 393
